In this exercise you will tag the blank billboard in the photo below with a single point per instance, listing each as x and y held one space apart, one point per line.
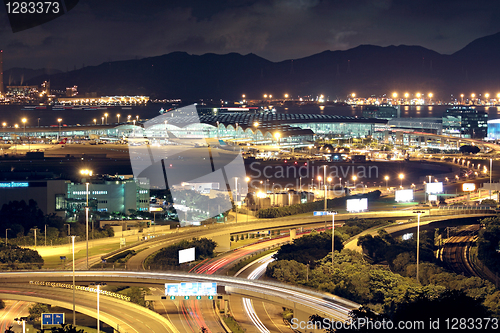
186 255
434 187
468 187
357 205
404 195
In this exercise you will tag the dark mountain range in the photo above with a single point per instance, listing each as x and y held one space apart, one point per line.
19 76
366 70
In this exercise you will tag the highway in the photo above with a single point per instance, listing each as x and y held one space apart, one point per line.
279 293
12 310
123 316
428 221
255 315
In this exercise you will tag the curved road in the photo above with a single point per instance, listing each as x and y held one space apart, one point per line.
123 316
285 295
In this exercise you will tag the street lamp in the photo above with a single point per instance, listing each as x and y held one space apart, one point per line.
59 134
74 312
401 176
329 181
95 121
491 164
102 120
24 120
277 135
386 180
34 229
236 198
106 116
247 179
419 212
98 285
118 116
87 172
256 125
354 180
6 235
45 234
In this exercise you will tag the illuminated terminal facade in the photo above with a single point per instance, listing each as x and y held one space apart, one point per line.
257 127
292 128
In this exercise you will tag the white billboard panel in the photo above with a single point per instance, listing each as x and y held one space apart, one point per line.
433 197
186 255
404 195
357 205
468 187
434 187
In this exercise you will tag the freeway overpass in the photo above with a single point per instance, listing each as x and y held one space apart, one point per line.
16 285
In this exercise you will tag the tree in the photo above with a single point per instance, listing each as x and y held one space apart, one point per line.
65 328
309 248
450 304
488 244
36 311
467 149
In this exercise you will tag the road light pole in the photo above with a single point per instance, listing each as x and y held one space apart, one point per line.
418 241
59 133
34 229
333 235
6 235
247 179
236 198
45 234
87 222
491 164
98 324
74 312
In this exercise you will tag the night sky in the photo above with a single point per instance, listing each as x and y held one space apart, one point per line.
96 31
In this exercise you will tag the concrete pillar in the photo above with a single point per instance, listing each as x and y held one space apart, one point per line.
223 243
293 234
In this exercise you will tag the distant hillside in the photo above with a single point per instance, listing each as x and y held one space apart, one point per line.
19 76
365 69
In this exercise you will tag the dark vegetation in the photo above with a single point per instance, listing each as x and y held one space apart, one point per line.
488 249
14 257
21 218
390 288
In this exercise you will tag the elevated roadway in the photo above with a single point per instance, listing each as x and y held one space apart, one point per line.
121 315
302 299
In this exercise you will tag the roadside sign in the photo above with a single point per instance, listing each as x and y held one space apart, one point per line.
323 213
52 319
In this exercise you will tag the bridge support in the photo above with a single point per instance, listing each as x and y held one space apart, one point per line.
293 234
223 243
